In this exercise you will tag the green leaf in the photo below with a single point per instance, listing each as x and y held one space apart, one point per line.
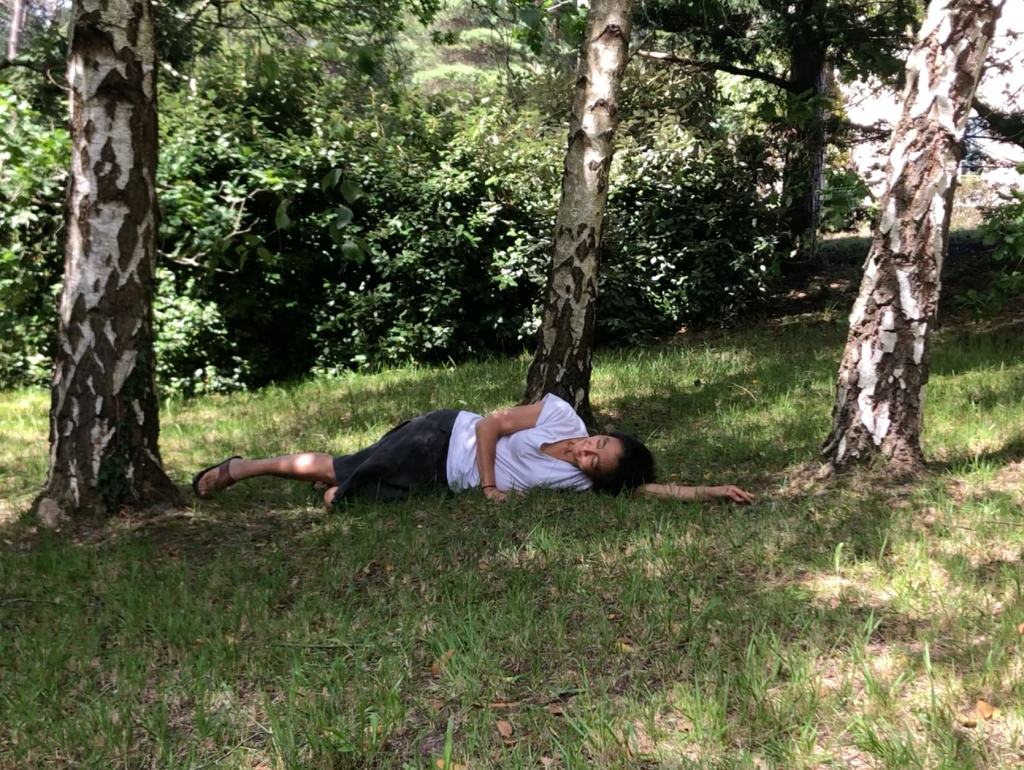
351 251
343 216
263 253
270 66
331 179
366 59
281 219
351 191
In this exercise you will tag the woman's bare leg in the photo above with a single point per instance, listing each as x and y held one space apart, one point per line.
307 466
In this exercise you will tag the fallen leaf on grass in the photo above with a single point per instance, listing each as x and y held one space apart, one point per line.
438 665
626 647
439 764
683 726
982 712
500 705
436 705
1020 628
987 710
547 761
505 729
556 710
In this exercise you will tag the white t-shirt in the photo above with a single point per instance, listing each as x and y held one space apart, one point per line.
519 463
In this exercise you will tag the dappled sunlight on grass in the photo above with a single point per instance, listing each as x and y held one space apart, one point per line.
23 449
848 624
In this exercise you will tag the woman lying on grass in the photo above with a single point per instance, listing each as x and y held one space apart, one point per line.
540 445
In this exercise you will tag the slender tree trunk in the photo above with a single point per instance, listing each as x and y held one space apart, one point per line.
880 391
805 169
103 417
15 33
565 341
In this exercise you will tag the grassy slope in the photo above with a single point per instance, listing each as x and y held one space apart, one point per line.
853 625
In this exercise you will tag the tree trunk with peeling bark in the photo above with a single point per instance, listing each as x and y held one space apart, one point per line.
562 363
103 415
804 177
880 391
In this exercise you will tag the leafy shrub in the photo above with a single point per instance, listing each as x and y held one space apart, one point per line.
397 226
34 162
449 273
1004 231
191 341
842 201
690 239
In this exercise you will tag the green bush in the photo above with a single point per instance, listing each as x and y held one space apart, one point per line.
34 161
191 342
690 238
1003 230
308 224
842 201
450 272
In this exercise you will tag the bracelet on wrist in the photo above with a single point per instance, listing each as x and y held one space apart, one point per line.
489 486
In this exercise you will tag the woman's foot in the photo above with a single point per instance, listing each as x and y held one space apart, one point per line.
213 479
329 491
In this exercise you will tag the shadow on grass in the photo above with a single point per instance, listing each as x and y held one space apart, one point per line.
309 621
1011 452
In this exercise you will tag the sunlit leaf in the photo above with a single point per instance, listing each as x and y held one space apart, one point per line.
281 219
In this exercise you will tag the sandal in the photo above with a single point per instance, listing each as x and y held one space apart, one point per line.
204 471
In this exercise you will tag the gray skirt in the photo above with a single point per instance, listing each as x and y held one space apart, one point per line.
410 458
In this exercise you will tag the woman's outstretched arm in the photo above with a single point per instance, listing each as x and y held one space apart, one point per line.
678 492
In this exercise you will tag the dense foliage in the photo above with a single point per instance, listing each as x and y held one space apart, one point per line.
35 154
336 223
1003 230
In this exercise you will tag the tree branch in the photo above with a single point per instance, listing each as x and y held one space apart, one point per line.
1008 125
8 63
714 66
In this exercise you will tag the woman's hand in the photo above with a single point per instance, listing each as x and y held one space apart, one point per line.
495 494
730 492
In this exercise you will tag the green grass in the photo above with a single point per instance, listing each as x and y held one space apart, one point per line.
848 625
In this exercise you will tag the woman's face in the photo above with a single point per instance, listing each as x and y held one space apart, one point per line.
597 455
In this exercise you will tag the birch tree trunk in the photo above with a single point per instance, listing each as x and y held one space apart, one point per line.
880 391
565 341
15 32
103 415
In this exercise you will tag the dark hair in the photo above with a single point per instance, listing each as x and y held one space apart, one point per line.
635 467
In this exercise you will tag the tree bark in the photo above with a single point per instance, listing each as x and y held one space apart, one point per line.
15 32
880 390
104 411
563 361
804 176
